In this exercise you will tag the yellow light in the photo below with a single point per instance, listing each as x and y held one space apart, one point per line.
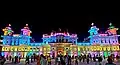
75 49
94 48
40 48
3 48
11 48
78 48
44 49
19 48
91 48
5 31
48 49
117 48
113 48
28 48
100 48
108 48
104 48
86 48
22 49
15 48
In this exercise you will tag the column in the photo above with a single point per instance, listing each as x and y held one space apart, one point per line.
9 40
13 40
4 40
28 40
111 40
20 40
107 40
16 41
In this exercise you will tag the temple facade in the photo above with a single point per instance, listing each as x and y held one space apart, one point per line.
60 43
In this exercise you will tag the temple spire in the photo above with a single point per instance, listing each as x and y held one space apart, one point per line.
111 26
26 24
92 24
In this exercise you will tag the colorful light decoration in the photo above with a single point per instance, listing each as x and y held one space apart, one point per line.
26 31
93 30
8 30
102 42
53 37
112 30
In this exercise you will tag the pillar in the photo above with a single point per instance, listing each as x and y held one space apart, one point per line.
13 40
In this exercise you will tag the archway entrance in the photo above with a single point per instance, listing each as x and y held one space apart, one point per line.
60 50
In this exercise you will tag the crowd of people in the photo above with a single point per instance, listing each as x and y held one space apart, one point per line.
60 59
68 60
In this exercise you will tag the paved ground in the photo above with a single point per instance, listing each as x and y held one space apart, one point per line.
80 63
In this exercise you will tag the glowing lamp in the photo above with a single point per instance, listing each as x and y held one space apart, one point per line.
98 48
9 25
108 48
26 24
104 48
92 24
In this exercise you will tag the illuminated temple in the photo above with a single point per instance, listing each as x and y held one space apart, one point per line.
60 42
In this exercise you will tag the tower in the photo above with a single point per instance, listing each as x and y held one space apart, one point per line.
112 30
93 33
25 36
7 37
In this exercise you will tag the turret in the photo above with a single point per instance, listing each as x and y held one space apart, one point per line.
25 37
26 31
112 30
7 37
8 30
93 30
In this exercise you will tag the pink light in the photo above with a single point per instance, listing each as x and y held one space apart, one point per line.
73 35
103 34
26 24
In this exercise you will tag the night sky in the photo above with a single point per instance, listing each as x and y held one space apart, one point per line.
45 24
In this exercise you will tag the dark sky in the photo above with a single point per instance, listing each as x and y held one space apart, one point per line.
45 24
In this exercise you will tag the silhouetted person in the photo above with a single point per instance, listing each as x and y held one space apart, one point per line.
27 59
87 59
62 60
76 60
2 60
31 58
49 60
94 58
100 59
110 61
10 58
15 59
58 60
80 58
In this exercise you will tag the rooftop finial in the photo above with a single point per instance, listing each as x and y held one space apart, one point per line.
110 24
92 24
26 24
9 25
